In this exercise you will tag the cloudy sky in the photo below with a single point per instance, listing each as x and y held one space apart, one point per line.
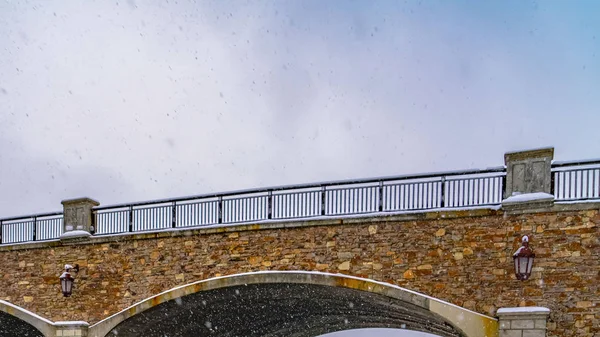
135 100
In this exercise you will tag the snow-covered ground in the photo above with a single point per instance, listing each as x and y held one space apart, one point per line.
378 333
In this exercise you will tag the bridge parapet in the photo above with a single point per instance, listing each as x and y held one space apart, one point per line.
529 181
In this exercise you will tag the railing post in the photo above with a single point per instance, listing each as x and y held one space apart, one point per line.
77 218
528 172
270 205
380 196
503 187
518 322
323 197
34 228
131 218
443 193
93 224
1 231
220 209
174 215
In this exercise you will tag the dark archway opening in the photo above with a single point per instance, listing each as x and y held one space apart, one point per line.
280 309
11 326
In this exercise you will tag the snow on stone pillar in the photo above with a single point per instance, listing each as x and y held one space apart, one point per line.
523 321
77 220
528 179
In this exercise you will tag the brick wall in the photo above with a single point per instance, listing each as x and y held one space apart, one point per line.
463 257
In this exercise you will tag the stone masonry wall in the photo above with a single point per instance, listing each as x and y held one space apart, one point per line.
463 257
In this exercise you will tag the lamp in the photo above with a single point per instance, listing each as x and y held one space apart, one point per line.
66 280
523 260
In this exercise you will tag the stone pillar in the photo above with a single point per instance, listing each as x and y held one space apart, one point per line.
78 217
75 328
528 179
523 321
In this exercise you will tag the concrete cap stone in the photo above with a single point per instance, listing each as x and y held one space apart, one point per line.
529 154
523 311
82 200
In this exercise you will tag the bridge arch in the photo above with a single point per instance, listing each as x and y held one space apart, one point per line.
16 321
285 303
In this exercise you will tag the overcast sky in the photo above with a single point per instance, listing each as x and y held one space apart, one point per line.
135 100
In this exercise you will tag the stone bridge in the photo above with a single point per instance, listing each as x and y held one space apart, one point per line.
431 253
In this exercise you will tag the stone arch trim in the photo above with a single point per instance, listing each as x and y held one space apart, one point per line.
470 323
44 326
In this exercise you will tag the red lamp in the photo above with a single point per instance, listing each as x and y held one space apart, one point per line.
66 280
523 260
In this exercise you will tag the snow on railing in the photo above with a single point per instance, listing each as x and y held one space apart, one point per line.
576 181
571 181
386 194
31 228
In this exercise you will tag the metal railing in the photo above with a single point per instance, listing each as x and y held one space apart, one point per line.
576 181
31 228
388 194
571 181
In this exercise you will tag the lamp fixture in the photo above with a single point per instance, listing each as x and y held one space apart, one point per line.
66 280
523 260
